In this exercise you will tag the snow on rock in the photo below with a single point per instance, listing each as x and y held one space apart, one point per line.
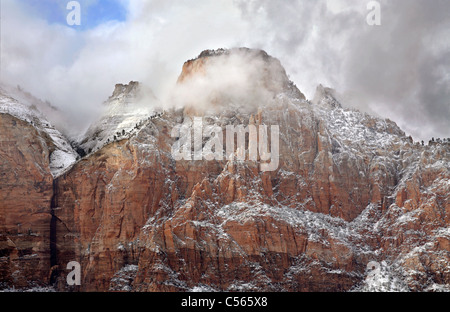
383 277
23 106
123 279
125 113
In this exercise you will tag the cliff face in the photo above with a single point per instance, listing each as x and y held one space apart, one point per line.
349 189
26 190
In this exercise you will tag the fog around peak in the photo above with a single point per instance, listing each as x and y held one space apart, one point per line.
398 70
242 79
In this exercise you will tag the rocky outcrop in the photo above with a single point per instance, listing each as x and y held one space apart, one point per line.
130 90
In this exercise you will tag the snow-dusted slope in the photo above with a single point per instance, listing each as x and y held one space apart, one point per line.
124 113
25 107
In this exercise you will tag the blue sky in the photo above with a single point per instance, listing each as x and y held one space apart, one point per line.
93 12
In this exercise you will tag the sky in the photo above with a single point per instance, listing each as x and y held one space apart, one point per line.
398 70
93 12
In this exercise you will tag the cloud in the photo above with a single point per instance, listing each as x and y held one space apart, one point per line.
397 70
77 71
240 80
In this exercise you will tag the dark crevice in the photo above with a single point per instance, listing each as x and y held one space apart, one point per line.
53 225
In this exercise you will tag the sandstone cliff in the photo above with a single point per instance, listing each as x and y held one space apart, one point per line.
26 189
349 189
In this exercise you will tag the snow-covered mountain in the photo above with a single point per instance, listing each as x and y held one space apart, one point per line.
355 204
124 113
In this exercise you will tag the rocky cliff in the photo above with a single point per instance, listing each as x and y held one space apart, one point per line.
349 189
26 189
32 153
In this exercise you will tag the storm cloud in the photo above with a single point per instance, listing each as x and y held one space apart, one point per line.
398 70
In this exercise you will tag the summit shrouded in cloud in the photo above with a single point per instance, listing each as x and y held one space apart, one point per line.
182 200
398 70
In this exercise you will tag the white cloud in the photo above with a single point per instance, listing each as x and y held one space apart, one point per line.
399 69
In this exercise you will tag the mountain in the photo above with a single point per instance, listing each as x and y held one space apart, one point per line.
124 112
32 154
354 204
23 106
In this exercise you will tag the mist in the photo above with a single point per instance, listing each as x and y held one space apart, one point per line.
398 70
240 80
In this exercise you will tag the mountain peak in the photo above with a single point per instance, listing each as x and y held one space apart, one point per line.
238 77
130 89
230 57
222 51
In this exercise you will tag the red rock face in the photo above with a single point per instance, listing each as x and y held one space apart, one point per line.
349 189
26 190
